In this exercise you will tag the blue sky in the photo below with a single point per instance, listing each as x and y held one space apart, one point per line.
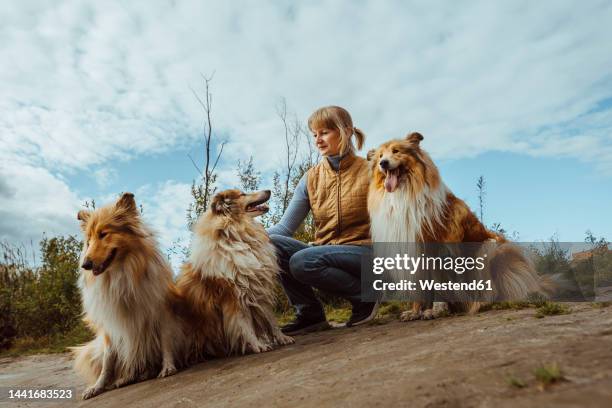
97 99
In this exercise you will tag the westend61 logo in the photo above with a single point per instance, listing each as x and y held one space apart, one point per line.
488 271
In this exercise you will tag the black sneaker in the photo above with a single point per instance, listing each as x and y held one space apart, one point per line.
302 325
363 312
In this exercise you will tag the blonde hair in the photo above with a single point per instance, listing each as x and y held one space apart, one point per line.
335 117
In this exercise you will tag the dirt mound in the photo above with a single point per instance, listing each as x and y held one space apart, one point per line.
463 361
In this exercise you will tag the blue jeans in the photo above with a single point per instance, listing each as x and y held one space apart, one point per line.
335 269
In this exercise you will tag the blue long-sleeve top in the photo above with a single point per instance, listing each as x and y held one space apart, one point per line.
299 206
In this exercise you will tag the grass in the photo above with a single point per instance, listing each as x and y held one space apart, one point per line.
387 311
59 343
333 314
543 307
551 309
600 305
548 374
285 317
508 306
515 382
545 376
392 309
337 315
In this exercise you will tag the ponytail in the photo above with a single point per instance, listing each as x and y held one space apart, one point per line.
359 137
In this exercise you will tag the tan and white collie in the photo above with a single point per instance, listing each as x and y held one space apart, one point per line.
409 203
127 290
228 283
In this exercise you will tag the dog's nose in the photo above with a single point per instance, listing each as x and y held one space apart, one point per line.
87 265
267 191
384 164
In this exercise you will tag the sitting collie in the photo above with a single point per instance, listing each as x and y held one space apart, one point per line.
408 202
127 290
228 283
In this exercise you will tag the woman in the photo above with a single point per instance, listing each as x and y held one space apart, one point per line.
335 190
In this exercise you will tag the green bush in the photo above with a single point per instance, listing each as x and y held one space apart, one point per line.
39 300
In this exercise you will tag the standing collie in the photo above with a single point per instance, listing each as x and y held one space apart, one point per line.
228 283
409 203
127 290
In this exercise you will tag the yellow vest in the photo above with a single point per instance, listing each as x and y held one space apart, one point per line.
338 200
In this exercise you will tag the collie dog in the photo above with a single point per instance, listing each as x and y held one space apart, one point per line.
127 291
409 203
228 283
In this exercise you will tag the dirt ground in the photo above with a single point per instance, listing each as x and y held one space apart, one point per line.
460 361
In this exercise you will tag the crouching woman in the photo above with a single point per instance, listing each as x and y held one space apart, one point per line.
335 190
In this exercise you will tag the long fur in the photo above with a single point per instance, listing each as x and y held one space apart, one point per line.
128 304
421 209
229 280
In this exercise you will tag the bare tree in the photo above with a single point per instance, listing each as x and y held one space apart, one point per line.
249 181
300 155
292 133
90 205
248 176
596 243
203 191
480 186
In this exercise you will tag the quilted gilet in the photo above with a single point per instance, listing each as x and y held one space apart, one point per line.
338 200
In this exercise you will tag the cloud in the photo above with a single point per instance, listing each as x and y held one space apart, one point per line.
6 190
165 210
471 83
105 176
87 84
40 202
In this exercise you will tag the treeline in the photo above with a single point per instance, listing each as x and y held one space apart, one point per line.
41 305
39 302
578 276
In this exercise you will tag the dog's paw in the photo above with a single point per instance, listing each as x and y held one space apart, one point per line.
266 347
428 314
259 347
92 392
284 340
167 371
440 309
145 375
410 315
256 348
122 382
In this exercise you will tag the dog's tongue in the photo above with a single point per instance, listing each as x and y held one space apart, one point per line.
391 181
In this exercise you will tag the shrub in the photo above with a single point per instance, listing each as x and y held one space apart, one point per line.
39 301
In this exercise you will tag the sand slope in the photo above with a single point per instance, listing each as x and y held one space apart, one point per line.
461 361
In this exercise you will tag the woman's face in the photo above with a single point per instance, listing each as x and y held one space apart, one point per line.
327 141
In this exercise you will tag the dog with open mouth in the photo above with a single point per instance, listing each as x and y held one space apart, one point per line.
228 283
409 203
128 293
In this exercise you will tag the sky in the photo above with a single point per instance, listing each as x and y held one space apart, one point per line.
98 98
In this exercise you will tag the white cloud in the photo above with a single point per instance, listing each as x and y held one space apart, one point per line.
105 176
116 82
38 202
165 210
88 83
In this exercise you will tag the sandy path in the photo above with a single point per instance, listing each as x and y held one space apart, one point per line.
460 361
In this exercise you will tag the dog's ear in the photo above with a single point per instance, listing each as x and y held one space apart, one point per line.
127 202
83 216
371 154
414 138
217 205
